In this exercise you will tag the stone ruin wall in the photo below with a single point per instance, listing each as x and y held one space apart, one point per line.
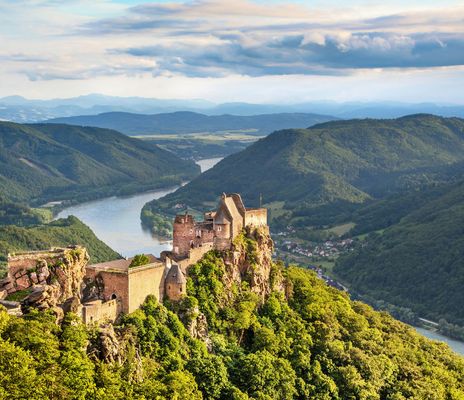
183 234
29 268
222 244
98 310
114 283
194 256
61 266
143 281
256 217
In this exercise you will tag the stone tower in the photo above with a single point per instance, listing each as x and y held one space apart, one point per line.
175 284
183 234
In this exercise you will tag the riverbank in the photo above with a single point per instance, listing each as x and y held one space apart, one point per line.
456 345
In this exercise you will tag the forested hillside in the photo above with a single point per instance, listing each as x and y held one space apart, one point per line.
301 173
54 162
310 343
190 122
417 261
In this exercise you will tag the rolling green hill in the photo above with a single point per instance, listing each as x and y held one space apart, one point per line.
418 260
190 122
43 162
340 164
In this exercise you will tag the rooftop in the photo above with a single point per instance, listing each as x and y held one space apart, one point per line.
175 275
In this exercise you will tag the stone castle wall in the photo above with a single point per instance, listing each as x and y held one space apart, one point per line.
143 281
115 284
195 255
256 217
222 244
176 292
98 310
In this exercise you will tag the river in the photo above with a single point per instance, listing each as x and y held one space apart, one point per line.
116 220
456 345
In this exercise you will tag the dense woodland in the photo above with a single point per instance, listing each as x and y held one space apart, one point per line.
316 344
44 162
416 258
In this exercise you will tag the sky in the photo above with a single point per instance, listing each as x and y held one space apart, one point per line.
265 51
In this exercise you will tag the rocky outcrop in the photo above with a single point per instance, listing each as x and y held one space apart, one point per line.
107 346
53 277
117 345
198 329
250 260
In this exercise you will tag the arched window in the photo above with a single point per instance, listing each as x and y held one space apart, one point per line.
113 296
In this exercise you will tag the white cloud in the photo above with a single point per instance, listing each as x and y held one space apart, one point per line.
90 43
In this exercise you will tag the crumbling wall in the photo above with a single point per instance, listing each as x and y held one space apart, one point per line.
256 217
97 310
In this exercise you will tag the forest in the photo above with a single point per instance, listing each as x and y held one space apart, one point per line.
308 341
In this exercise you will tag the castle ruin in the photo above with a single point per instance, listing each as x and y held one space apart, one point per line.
105 290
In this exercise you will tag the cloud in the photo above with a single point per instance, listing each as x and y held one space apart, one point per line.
218 38
22 58
304 54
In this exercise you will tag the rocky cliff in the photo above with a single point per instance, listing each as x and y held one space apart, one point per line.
47 279
250 260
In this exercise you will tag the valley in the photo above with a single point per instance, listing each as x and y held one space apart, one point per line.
392 188
214 200
69 163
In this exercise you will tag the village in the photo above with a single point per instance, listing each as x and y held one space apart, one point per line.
319 256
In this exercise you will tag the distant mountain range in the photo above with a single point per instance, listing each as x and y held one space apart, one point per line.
19 109
44 162
190 122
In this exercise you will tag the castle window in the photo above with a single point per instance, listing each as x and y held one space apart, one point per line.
180 290
219 229
113 296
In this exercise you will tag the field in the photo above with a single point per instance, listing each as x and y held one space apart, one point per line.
340 230
204 144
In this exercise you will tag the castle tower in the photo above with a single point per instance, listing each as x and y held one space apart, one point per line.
183 234
175 284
